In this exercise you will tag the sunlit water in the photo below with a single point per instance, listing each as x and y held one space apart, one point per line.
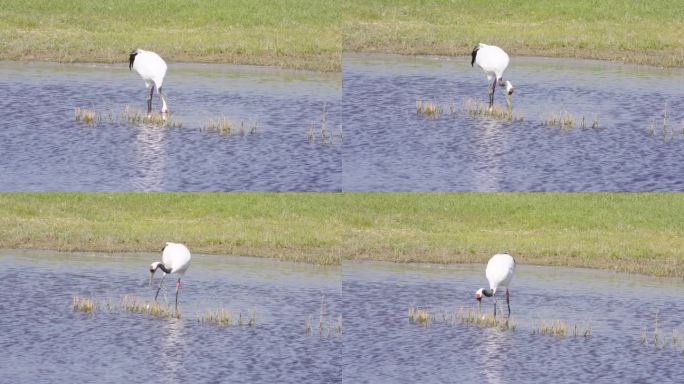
43 148
44 341
382 346
388 147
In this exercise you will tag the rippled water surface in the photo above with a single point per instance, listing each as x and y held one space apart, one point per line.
388 147
44 341
381 346
43 148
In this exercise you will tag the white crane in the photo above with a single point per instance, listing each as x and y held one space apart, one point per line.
152 69
499 273
175 259
493 61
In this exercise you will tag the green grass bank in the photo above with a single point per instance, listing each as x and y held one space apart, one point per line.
632 232
302 34
642 32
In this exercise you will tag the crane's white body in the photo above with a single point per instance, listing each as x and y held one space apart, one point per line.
177 257
499 272
493 61
152 68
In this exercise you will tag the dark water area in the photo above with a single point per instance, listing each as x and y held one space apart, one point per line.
45 341
43 148
388 147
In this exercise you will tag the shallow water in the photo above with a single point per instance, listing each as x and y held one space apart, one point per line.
381 346
44 341
388 147
43 148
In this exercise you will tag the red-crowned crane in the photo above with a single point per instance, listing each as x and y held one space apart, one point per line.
493 61
152 69
499 273
175 259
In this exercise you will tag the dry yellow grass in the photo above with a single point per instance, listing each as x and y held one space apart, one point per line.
84 304
224 317
138 116
428 108
566 120
136 304
478 109
86 116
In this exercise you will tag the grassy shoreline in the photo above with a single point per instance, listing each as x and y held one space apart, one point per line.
311 34
632 32
300 34
629 232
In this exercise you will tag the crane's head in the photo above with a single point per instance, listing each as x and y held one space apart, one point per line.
153 269
506 84
131 58
158 265
483 292
478 294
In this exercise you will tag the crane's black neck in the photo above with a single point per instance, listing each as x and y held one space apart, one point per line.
488 292
472 63
165 268
131 59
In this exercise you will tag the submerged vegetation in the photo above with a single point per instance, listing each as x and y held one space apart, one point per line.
136 304
661 127
478 109
551 327
224 317
474 108
84 304
428 108
86 116
475 317
566 120
659 339
127 303
225 126
470 316
420 316
470 107
326 135
324 328
128 115
138 116
463 315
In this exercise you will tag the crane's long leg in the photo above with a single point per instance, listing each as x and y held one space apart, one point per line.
149 101
494 308
508 303
160 287
491 95
178 284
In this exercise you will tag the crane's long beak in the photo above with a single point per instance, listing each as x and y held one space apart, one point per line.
151 276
